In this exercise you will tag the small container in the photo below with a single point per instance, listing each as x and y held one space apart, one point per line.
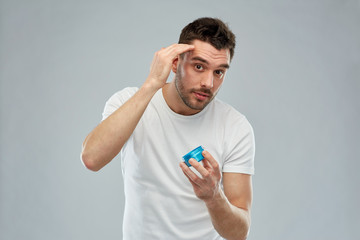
195 154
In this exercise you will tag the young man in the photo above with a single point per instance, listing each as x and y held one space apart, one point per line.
154 126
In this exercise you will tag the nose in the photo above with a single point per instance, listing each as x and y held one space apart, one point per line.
207 81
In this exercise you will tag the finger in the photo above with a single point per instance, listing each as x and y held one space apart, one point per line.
191 181
190 174
209 159
206 164
179 46
177 49
200 168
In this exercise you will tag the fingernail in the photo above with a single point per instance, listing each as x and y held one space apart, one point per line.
192 160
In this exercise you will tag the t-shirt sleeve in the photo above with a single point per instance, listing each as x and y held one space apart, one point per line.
116 100
240 149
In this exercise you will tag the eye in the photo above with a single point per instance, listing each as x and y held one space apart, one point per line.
219 72
199 67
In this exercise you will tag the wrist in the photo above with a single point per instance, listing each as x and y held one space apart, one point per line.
217 200
149 88
152 84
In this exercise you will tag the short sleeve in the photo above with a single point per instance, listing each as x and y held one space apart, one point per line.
118 99
240 148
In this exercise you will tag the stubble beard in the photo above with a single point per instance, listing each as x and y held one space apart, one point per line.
185 97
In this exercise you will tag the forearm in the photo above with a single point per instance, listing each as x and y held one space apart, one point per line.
107 139
230 222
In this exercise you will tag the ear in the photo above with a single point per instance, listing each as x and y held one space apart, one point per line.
175 64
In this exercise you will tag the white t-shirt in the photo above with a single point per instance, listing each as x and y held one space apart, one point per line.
159 200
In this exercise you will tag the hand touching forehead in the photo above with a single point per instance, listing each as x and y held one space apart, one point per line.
206 53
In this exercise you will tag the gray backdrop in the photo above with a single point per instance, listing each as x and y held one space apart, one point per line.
295 75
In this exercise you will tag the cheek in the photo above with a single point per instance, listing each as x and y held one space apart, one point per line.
187 71
188 75
218 83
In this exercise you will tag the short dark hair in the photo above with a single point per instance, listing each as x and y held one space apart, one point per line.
210 30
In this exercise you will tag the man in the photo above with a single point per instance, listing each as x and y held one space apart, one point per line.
154 126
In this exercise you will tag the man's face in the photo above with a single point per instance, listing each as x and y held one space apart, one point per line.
200 74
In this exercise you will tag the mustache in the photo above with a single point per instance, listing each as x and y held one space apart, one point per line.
203 90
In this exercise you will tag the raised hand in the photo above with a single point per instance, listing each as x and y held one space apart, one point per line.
162 63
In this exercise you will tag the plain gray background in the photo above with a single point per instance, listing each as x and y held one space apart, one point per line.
295 75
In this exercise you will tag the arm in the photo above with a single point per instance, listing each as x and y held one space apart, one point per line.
229 209
107 139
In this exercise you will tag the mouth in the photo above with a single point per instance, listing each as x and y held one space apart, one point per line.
201 95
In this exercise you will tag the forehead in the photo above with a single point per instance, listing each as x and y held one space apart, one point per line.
209 53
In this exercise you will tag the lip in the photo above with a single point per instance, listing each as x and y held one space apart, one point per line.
201 96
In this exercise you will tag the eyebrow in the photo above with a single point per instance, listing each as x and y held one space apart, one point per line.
206 62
